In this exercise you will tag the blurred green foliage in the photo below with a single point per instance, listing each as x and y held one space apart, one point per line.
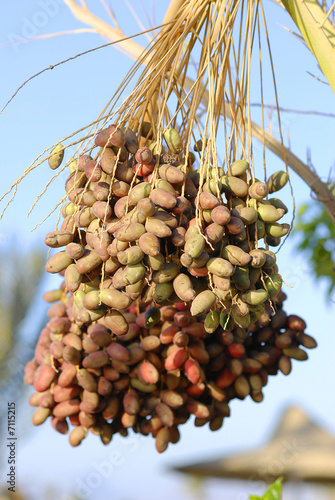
315 234
273 493
19 277
21 272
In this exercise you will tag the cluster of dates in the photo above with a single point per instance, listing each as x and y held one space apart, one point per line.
140 225
169 307
165 368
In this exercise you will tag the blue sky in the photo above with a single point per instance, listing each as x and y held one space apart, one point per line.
63 100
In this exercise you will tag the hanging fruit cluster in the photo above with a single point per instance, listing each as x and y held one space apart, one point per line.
162 367
142 227
169 307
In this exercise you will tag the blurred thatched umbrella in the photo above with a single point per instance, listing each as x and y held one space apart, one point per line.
299 450
5 495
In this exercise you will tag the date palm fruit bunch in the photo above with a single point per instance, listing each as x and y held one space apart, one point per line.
144 225
160 367
168 308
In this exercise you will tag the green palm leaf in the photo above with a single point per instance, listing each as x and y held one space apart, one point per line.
273 493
